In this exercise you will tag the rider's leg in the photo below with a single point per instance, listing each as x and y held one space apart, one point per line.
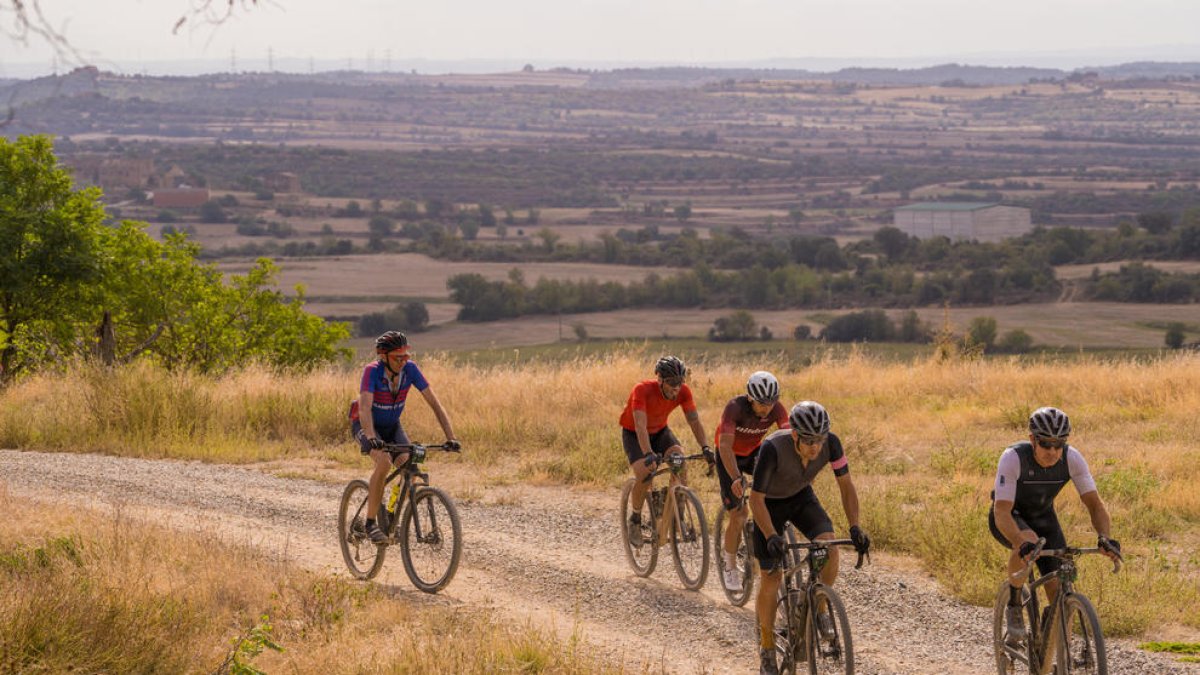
765 606
829 573
641 485
382 464
733 532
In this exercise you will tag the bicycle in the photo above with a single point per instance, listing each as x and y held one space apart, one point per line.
744 556
422 519
674 514
1069 639
797 637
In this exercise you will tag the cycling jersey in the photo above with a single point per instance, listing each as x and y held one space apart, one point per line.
647 396
747 428
387 405
1030 486
780 474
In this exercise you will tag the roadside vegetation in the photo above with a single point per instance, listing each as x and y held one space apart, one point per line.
923 435
100 592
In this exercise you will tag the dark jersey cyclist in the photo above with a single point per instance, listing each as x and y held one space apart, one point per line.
788 461
375 415
1028 478
744 422
644 430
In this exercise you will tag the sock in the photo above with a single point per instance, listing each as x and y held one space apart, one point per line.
370 522
635 517
1014 596
768 640
730 559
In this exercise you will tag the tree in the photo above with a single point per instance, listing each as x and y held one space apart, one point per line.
737 326
1015 341
487 217
1175 335
1156 222
892 241
381 226
549 238
211 212
802 332
982 331
683 212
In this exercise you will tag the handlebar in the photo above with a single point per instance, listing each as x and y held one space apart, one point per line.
417 450
674 463
1041 552
828 543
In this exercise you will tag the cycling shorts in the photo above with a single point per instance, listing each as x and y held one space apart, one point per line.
803 510
1043 525
745 465
392 434
660 442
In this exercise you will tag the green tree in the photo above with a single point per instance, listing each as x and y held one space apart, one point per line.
683 212
892 241
737 326
381 226
982 331
1175 335
1015 341
549 238
1156 222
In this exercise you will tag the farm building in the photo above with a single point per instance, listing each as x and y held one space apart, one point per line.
962 220
183 197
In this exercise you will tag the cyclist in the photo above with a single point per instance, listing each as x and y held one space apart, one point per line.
788 461
644 430
1029 476
375 415
744 422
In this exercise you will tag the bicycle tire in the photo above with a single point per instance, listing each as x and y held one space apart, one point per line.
790 650
829 656
743 556
644 556
692 541
1081 646
421 531
363 558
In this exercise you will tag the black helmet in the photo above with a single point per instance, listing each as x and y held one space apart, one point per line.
1049 422
393 339
809 418
762 387
670 366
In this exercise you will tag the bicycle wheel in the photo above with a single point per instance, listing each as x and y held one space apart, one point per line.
834 653
790 650
1009 658
430 539
689 539
744 560
363 558
641 550
1081 649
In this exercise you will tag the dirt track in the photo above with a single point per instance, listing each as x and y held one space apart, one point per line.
549 555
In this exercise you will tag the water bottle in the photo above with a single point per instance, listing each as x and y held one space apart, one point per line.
393 498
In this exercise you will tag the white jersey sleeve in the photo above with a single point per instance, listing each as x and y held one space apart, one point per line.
1007 473
1080 475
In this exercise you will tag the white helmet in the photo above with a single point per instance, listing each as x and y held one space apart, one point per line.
762 387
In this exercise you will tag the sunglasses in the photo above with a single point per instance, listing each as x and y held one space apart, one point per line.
811 440
673 381
1051 443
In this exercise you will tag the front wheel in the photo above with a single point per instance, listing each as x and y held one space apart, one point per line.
639 541
1081 648
689 539
743 558
830 651
363 558
430 539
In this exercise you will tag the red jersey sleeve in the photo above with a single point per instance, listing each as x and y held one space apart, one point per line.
728 424
781 416
685 399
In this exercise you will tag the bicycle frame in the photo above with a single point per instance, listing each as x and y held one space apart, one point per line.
674 465
412 478
818 556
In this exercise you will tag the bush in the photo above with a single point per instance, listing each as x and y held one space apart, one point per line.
1174 336
869 325
737 326
802 332
1015 341
982 332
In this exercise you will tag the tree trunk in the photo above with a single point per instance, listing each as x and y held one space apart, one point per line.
106 341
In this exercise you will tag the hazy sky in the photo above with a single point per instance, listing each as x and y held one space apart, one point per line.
136 34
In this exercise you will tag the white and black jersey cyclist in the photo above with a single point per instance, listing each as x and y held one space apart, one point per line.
788 462
1029 476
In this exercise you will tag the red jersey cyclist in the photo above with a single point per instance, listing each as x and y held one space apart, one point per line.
375 416
644 430
744 423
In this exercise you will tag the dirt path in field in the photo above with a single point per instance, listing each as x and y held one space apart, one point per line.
548 555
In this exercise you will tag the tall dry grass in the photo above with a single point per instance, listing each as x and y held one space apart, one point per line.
923 438
88 592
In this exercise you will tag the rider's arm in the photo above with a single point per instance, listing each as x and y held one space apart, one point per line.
725 449
849 498
1098 513
1002 511
442 418
365 399
764 471
639 428
762 517
693 420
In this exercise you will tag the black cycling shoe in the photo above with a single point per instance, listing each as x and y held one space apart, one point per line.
766 662
1016 625
376 534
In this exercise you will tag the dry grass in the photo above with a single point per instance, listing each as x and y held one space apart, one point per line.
91 593
923 438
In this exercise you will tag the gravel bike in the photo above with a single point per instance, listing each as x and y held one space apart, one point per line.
1067 638
798 637
420 518
669 514
744 556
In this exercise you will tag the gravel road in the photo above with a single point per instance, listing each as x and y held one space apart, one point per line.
548 555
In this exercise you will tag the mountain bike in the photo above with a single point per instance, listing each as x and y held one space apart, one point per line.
669 514
420 518
744 556
1068 638
797 635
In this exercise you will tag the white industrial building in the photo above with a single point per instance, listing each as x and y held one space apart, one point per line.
962 220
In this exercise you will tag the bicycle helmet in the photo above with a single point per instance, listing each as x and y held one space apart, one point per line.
670 366
1049 422
762 387
809 418
393 339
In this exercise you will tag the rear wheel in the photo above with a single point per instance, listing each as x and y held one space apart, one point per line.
641 547
1082 648
742 558
363 558
832 653
689 539
430 539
